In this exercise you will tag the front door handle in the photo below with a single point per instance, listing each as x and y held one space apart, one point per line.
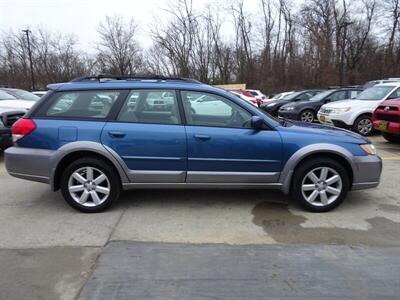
202 137
116 134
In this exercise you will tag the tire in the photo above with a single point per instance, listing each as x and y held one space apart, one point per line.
363 125
304 189
391 138
83 198
307 116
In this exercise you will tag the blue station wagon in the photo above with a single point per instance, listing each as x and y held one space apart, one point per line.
96 136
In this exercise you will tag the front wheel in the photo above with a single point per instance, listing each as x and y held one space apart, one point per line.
391 138
363 125
90 185
320 185
307 116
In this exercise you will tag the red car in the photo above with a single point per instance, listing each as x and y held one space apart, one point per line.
246 95
386 119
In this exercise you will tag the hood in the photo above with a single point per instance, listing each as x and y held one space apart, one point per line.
327 133
392 102
296 104
342 103
17 104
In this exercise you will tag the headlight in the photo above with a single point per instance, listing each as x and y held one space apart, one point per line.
288 108
271 104
369 149
337 111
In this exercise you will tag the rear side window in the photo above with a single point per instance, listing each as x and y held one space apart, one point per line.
150 106
83 104
341 95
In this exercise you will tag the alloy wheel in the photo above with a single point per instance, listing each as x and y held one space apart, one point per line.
321 186
307 116
364 126
89 186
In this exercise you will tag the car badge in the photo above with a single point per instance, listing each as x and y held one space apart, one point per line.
386 108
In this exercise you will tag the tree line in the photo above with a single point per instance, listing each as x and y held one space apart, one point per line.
283 45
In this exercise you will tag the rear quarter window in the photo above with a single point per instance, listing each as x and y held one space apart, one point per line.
82 104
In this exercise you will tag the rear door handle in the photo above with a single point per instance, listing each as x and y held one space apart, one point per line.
116 134
202 137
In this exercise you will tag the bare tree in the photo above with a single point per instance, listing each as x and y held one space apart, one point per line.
118 49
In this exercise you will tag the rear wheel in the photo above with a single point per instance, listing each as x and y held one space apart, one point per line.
363 125
307 116
392 138
90 185
320 184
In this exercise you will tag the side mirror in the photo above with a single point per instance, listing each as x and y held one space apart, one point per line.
256 122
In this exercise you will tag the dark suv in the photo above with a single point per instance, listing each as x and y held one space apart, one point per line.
96 136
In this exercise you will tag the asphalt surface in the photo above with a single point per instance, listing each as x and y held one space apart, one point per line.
50 251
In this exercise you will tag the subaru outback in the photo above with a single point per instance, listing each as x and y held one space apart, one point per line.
96 136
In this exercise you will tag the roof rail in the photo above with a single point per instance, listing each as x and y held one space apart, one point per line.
109 77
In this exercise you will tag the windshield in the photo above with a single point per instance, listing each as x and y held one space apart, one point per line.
23 95
321 96
374 93
6 96
291 96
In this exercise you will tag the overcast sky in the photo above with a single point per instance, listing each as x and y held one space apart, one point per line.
81 17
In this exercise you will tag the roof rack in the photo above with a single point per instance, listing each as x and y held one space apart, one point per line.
111 77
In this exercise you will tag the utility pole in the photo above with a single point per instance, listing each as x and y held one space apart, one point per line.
27 32
341 71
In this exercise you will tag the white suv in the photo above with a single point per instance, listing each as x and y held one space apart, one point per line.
356 114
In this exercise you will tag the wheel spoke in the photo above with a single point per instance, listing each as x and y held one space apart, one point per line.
76 188
332 190
102 190
95 197
332 179
79 177
313 177
324 174
84 197
313 196
308 187
323 197
100 179
89 173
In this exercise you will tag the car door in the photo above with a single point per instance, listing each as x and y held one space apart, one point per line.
149 137
222 146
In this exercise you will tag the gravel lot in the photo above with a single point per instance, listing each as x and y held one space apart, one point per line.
48 250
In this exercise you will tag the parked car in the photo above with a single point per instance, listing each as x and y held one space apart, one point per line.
9 99
247 96
39 93
259 96
386 119
306 111
21 94
8 117
356 114
272 107
91 156
380 81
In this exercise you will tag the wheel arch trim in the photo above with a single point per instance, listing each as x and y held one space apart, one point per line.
321 148
87 146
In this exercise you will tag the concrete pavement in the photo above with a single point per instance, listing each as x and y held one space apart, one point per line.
36 220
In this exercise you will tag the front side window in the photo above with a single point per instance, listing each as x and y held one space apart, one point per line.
83 104
338 96
354 93
150 106
395 94
203 109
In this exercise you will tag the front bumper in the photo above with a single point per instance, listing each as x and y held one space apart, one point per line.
5 138
367 172
342 120
389 127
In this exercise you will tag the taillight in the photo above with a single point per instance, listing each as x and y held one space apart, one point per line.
22 128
